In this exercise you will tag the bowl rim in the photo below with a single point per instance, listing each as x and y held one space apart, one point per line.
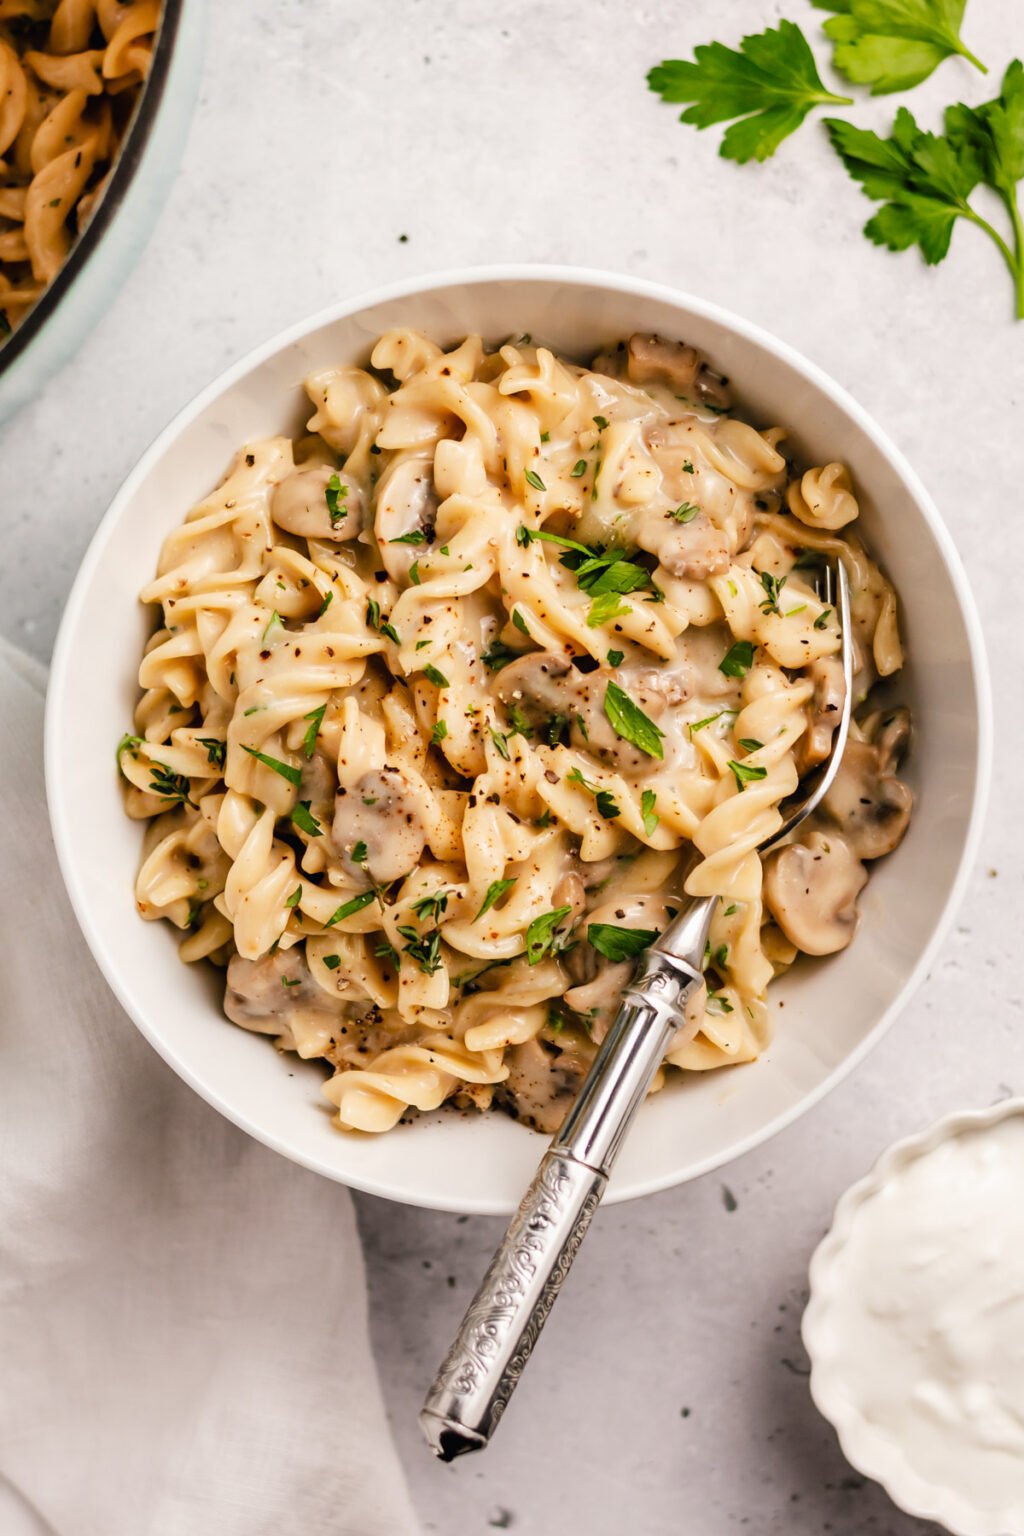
863 1445
431 282
122 174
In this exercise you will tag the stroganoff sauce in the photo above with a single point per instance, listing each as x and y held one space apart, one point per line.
928 1320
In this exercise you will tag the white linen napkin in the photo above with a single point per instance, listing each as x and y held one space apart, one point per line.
183 1324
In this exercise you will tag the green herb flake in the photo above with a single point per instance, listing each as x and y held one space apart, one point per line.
520 623
578 469
305 820
541 938
295 897
821 622
750 744
532 478
501 744
350 908
332 962
606 608
648 800
600 422
334 495
316 720
616 658
772 585
431 673
606 804
414 536
738 659
328 600
629 721
438 733
617 943
360 853
216 750
744 774
495 891
684 513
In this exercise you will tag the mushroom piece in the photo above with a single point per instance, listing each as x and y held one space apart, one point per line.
650 360
824 710
597 981
406 512
276 995
867 802
811 890
384 811
696 549
542 1083
299 504
541 684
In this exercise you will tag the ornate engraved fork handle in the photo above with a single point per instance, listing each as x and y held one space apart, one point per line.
504 1320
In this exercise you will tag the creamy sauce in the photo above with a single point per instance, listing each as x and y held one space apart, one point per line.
928 1315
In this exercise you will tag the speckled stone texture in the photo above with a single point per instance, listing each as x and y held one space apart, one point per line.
670 1392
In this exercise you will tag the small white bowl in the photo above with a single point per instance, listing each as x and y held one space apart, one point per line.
834 1010
868 1445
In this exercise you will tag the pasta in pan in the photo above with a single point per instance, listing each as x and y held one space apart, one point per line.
70 73
454 700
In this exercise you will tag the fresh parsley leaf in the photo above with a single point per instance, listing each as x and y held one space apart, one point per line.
499 656
616 658
431 673
414 536
495 891
305 820
600 422
607 805
629 721
532 478
349 908
648 800
334 495
216 750
744 774
619 943
328 600
438 733
533 534
293 775
414 573
520 725
605 608
316 720
736 662
718 1003
541 938
360 853
273 623
924 180
501 743
295 897
770 83
332 962
578 469
751 744
698 725
822 620
520 623
892 45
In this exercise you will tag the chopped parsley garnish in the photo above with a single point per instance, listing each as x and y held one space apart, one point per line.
698 725
619 943
892 45
334 495
629 721
616 658
541 938
607 805
295 897
770 84
316 720
172 786
520 623
305 820
600 422
556 731
499 656
130 743
773 585
532 478
431 673
414 536
821 622
328 600
349 908
425 948
216 750
520 725
293 775
501 743
750 744
578 469
438 733
687 467
332 962
738 659
287 981
414 573
684 513
360 853
744 774
605 608
648 800
273 623
431 906
545 437
375 621
718 1003
495 891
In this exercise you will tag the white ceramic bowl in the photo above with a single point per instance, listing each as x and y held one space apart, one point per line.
834 1010
867 1444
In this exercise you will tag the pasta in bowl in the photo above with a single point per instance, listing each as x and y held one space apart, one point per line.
471 666
454 699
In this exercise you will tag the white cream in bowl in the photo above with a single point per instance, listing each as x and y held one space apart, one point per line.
916 1323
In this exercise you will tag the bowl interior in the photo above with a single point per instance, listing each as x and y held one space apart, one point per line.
826 1012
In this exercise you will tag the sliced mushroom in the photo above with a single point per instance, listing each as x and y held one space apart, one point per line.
867 802
571 892
542 1083
276 995
406 512
384 812
811 890
542 684
300 504
598 981
650 360
696 549
824 710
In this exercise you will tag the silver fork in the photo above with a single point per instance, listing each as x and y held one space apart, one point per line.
496 1338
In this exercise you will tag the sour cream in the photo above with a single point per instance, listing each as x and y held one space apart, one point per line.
920 1324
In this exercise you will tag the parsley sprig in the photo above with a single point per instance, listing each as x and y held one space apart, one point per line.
893 45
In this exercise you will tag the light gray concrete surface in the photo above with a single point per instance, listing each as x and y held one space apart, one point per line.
670 1392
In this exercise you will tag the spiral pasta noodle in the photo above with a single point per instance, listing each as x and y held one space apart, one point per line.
455 700
70 74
